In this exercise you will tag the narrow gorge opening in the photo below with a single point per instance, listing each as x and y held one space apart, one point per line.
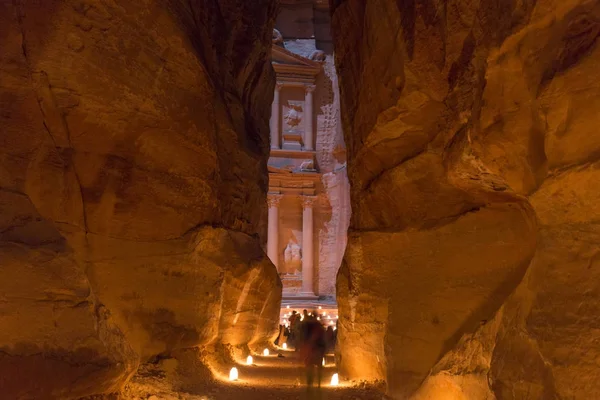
175 174
309 196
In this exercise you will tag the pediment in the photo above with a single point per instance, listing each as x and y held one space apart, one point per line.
280 57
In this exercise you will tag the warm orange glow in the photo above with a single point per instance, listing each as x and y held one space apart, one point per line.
284 346
233 374
249 360
335 380
265 352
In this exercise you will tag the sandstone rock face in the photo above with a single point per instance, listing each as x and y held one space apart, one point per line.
473 159
133 147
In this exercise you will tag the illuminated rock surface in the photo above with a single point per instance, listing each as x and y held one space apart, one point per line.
133 146
473 154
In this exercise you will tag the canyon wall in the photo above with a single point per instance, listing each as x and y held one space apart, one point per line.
474 161
133 148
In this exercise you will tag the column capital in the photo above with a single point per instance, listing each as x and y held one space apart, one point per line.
278 85
273 199
308 201
309 88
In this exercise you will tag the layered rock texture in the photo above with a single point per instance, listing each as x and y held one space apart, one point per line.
133 147
474 158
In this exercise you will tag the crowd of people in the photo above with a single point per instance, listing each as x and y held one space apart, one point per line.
306 335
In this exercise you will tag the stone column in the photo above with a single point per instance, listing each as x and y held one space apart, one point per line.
273 230
308 117
275 114
307 245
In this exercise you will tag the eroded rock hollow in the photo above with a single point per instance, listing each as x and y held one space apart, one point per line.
473 254
133 148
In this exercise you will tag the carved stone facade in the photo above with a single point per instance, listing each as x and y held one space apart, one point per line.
307 224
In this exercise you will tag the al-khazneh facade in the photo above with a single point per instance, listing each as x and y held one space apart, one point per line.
309 207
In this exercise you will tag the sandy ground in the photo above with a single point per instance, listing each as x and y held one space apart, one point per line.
270 378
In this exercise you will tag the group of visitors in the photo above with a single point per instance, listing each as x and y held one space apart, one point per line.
299 328
306 335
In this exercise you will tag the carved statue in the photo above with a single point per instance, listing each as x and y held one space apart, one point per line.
317 55
292 117
292 257
277 38
307 165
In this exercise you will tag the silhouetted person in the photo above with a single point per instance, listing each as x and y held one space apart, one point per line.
286 334
293 318
294 321
313 351
330 338
280 336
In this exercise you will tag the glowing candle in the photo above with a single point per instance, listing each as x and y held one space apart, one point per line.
319 307
318 318
249 360
233 374
284 346
287 307
265 352
335 380
323 361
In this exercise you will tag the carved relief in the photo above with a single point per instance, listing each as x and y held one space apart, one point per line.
293 114
308 201
277 38
307 165
317 55
273 200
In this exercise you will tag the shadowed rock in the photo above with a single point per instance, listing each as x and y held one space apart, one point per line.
132 181
472 149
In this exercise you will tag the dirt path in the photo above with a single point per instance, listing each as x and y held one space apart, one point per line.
270 378
283 378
